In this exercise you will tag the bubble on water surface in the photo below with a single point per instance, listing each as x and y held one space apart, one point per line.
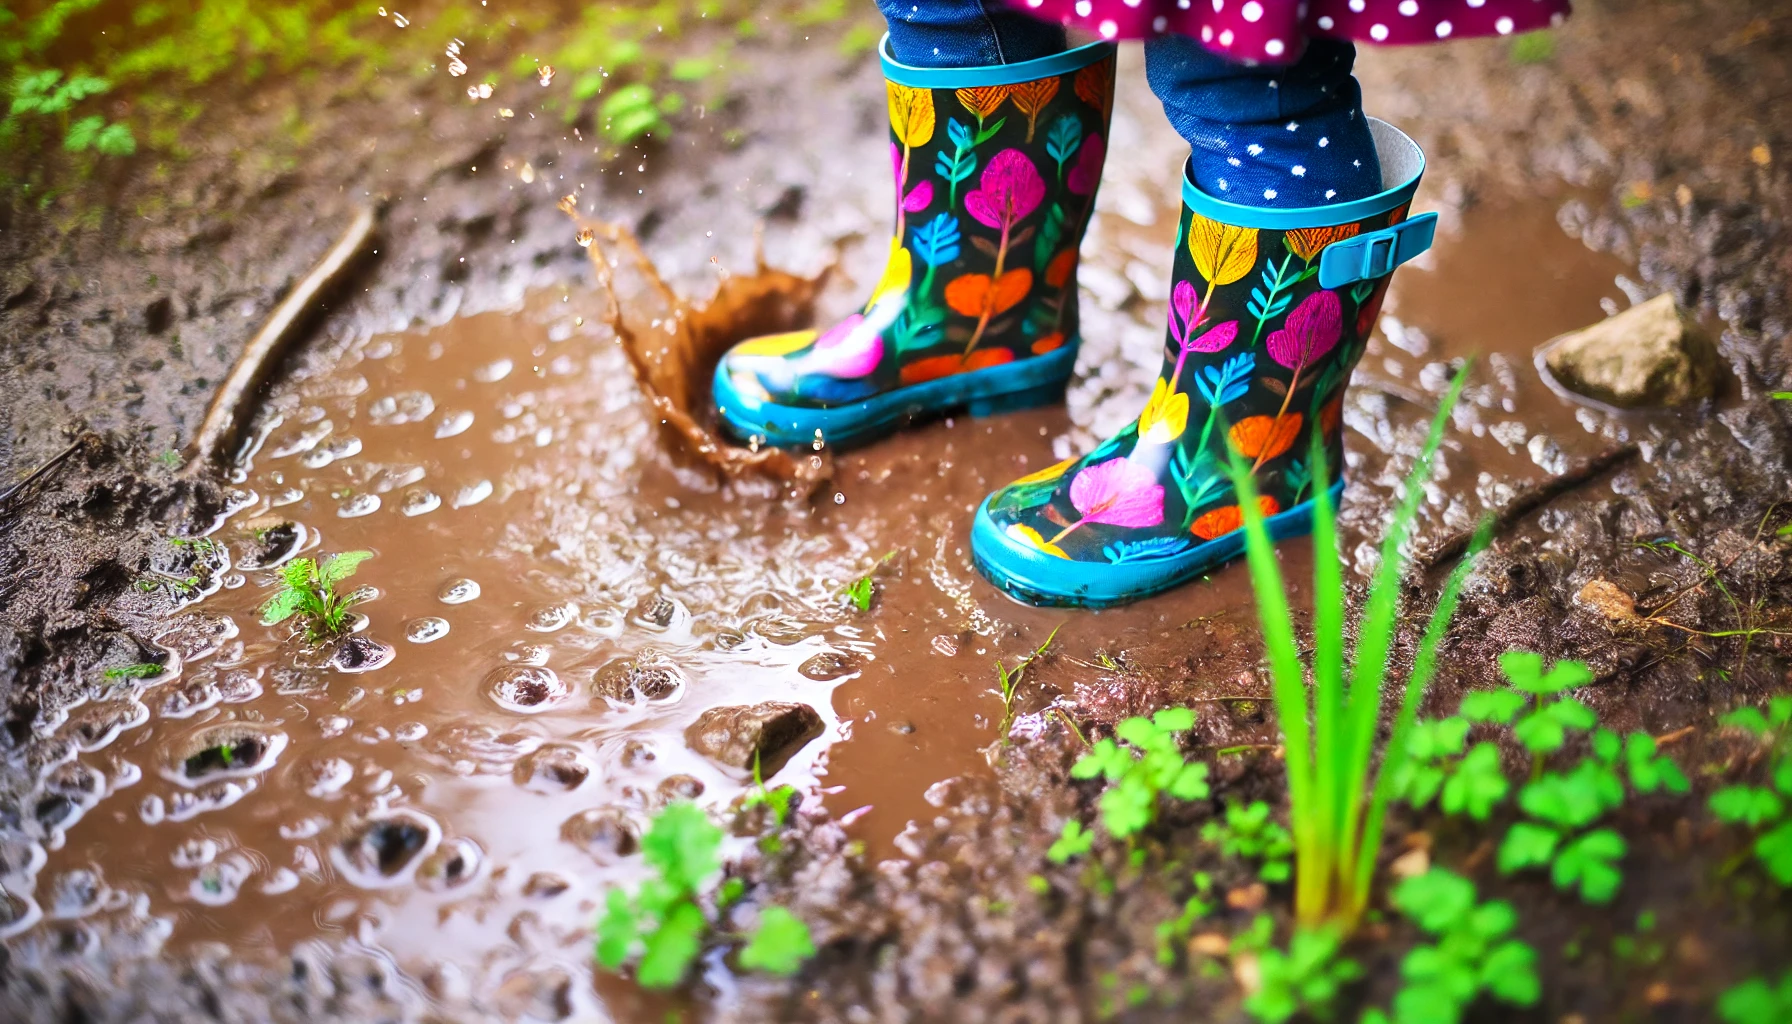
494 371
361 654
473 494
550 618
281 881
218 883
410 732
605 833
77 893
454 423
17 913
453 864
326 775
302 441
359 505
525 689
525 653
552 768
425 629
458 591
419 501
195 853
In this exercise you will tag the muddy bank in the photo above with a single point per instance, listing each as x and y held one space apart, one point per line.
939 918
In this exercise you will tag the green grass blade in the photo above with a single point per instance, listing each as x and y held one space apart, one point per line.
1328 654
1424 665
1289 686
1375 635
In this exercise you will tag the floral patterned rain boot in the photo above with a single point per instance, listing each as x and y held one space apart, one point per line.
1269 312
996 169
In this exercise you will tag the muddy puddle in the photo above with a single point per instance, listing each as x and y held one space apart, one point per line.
554 602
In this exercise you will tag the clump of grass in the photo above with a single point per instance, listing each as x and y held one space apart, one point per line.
859 592
1008 680
1309 977
1148 768
662 926
140 670
1337 804
308 589
1249 833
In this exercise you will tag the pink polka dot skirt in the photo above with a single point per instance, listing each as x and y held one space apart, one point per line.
1276 31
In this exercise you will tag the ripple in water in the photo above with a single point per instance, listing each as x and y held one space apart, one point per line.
454 423
425 629
404 407
473 494
525 689
458 591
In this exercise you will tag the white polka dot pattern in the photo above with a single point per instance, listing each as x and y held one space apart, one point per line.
1277 31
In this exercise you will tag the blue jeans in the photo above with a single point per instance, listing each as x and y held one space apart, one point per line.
1291 136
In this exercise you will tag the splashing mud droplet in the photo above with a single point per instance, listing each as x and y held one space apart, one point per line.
545 75
525 689
426 629
359 505
472 494
419 501
585 237
400 20
458 591
569 203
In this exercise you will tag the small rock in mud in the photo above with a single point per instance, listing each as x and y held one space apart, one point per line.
552 769
1605 598
1248 897
269 541
196 635
360 654
545 885
17 913
542 995
190 698
454 863
99 724
680 787
659 611
603 832
768 732
77 893
649 675
636 753
1644 356
828 665
379 850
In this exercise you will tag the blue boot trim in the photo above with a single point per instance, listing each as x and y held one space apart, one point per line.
1037 578
1022 384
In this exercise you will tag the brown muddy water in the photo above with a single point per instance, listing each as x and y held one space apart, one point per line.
555 598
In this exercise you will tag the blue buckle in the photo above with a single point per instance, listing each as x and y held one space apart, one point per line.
1376 254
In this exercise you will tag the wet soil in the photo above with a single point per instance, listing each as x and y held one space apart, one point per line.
422 824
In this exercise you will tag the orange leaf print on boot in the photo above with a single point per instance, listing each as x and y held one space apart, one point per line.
1031 97
1058 271
1265 437
1222 521
934 367
1310 242
984 100
972 295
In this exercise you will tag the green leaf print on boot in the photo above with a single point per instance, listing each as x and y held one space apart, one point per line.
1269 313
996 170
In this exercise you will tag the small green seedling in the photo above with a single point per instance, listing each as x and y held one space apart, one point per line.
1763 808
1009 679
1150 766
1545 728
1437 767
1172 933
1307 977
662 926
1072 842
1755 1001
1473 954
227 754
1249 833
858 593
140 670
308 589
778 799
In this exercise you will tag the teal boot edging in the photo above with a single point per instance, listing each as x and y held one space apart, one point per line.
1270 311
996 172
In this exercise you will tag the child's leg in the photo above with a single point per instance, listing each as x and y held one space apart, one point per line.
1285 137
966 33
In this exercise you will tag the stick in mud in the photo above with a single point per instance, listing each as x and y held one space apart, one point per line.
1529 499
230 406
47 467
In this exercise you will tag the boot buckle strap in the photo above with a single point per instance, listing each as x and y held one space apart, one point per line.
1377 253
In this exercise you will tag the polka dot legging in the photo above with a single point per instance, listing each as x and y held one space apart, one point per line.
1289 136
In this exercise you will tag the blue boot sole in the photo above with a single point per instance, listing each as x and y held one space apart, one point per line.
1037 578
1010 387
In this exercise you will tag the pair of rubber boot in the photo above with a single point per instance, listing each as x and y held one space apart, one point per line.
996 171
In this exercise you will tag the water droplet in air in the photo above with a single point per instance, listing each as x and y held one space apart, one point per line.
458 591
425 629
400 20
569 203
839 499
546 74
586 237
527 173
818 444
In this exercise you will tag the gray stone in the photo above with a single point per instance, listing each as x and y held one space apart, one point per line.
1644 356
772 731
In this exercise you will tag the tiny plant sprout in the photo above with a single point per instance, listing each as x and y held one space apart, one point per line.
308 589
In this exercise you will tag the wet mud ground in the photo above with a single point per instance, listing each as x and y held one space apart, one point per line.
428 835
